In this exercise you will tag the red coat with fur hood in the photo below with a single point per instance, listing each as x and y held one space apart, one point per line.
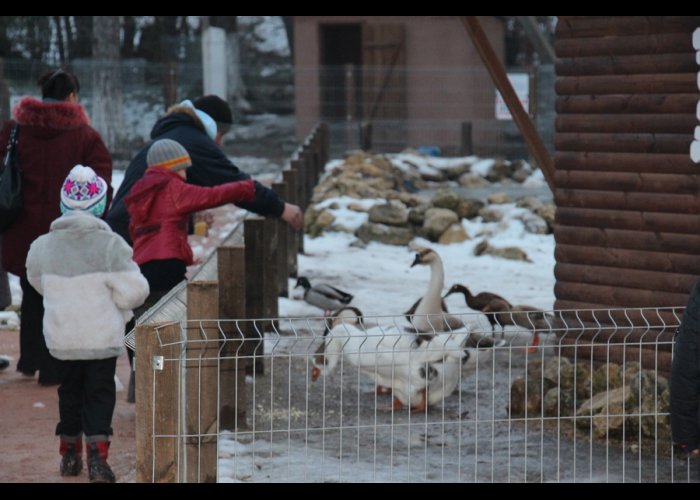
53 138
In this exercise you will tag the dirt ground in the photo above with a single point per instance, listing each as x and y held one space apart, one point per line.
28 417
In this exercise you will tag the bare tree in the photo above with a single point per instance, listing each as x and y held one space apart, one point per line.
107 92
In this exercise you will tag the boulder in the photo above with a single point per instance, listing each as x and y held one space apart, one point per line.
499 199
526 396
392 213
472 181
436 222
469 208
446 198
389 235
454 234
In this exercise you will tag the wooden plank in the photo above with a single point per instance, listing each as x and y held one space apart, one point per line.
614 218
627 65
628 239
202 381
232 309
617 296
520 116
661 43
157 393
290 178
626 162
638 209
280 252
605 26
626 123
624 277
628 103
628 181
627 84
628 258
627 143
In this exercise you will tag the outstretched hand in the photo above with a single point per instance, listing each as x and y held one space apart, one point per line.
293 216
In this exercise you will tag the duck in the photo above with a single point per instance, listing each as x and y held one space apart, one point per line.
323 296
482 302
522 315
430 314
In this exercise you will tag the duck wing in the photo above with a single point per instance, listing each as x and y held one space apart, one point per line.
333 293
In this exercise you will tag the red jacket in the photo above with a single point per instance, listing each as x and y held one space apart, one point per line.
159 204
53 138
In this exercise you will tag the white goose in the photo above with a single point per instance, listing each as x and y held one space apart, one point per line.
430 315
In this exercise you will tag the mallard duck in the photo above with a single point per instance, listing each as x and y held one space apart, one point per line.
482 302
430 314
323 296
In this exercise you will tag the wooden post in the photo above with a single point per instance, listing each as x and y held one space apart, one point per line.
202 381
325 142
293 237
366 136
232 395
298 169
467 146
261 282
500 79
157 412
282 248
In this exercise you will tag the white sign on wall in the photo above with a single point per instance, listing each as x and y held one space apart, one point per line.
521 85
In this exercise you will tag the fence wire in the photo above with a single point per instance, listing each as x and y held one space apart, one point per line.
345 403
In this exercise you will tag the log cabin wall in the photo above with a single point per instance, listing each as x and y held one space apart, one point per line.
628 212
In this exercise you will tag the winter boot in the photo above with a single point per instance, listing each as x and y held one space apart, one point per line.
98 468
71 450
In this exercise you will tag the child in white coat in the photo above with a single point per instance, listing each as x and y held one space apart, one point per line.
90 285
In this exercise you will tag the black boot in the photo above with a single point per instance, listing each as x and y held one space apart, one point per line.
98 468
71 450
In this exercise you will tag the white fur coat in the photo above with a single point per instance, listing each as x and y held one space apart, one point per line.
90 285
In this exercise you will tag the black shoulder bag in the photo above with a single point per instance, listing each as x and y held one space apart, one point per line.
10 183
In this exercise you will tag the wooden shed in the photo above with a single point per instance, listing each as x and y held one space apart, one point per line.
416 78
627 193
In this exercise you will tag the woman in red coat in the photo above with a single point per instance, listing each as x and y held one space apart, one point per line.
54 136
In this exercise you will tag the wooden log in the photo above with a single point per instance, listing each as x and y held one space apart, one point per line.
627 143
282 247
232 397
627 84
628 181
607 26
661 43
627 64
634 103
627 124
628 239
628 258
645 211
158 393
202 381
649 358
614 218
624 277
617 296
625 162
293 237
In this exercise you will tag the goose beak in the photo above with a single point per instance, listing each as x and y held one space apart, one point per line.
315 374
417 260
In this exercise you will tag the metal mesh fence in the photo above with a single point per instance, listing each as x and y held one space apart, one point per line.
370 400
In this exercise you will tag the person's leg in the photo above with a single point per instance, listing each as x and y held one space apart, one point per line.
98 410
31 334
70 409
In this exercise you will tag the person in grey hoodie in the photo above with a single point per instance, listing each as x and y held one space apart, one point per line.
90 285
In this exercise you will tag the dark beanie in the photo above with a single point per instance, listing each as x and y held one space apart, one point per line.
215 107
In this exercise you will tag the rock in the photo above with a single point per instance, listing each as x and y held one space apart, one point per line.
454 234
553 367
578 377
529 202
526 396
456 171
606 377
607 411
445 198
473 181
469 208
521 171
559 403
411 200
500 170
317 221
416 215
547 212
489 214
510 253
436 222
499 199
632 368
381 233
393 213
535 224
356 207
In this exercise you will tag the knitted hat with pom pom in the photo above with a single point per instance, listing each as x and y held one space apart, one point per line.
84 190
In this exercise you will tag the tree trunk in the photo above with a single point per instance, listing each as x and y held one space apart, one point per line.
107 95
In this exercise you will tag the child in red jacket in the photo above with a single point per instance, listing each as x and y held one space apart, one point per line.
159 205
